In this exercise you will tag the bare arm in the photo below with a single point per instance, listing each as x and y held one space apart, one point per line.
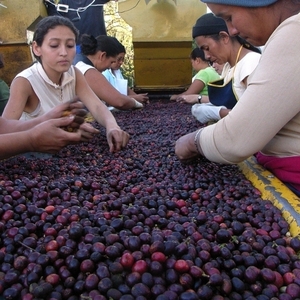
117 138
106 92
195 88
74 107
192 99
47 136
20 91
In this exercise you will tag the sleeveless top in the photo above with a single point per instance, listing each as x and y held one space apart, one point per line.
48 93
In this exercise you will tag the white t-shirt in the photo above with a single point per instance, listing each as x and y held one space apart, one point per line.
83 67
117 80
242 70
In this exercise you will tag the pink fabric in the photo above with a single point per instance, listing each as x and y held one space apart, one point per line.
287 169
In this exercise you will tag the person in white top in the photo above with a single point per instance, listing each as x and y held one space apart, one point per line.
97 55
239 59
204 74
53 80
265 121
115 77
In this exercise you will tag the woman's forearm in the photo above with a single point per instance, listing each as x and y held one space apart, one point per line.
104 117
14 143
13 126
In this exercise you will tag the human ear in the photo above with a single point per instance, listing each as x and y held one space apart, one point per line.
36 49
101 55
224 36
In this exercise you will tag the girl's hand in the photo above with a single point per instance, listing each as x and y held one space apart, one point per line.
174 97
87 131
117 139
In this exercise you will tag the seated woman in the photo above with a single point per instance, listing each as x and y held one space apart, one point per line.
266 119
53 80
205 73
115 77
97 54
240 59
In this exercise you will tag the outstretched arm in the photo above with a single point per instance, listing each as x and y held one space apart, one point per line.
106 92
46 137
116 137
45 133
194 89
142 97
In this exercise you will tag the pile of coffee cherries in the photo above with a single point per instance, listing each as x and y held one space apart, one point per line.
139 224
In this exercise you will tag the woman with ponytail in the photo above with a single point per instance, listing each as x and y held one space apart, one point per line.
97 55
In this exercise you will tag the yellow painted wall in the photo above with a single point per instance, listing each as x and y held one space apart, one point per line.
15 19
162 40
161 20
161 36
162 65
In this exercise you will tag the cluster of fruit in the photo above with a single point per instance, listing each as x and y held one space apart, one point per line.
138 224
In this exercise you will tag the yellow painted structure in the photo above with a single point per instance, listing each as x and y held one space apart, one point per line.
15 19
17 57
162 41
161 35
162 65
274 190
